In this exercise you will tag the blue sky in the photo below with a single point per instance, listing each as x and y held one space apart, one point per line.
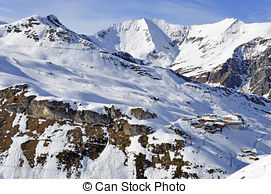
88 16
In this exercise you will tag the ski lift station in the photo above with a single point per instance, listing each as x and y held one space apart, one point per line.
214 123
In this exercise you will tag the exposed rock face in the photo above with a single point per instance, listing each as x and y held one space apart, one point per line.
39 124
260 83
114 113
247 66
54 110
228 74
141 114
50 110
83 139
128 57
162 158
133 130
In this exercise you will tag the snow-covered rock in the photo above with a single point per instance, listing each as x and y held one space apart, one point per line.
42 31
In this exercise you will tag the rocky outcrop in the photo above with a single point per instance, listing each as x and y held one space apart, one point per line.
17 102
162 158
141 114
50 110
128 57
260 83
80 135
260 72
229 74
131 129
114 113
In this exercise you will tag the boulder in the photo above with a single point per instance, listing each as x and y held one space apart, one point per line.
141 114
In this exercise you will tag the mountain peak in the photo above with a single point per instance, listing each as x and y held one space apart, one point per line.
45 30
144 19
230 21
141 38
52 19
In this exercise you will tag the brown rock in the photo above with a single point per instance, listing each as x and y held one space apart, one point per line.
140 114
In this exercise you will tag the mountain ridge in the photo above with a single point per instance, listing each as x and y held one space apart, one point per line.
200 52
43 31
69 110
202 49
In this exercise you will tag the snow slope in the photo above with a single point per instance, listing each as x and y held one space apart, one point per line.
258 170
89 77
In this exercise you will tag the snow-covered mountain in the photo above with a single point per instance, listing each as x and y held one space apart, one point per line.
208 46
211 53
140 38
42 31
109 106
